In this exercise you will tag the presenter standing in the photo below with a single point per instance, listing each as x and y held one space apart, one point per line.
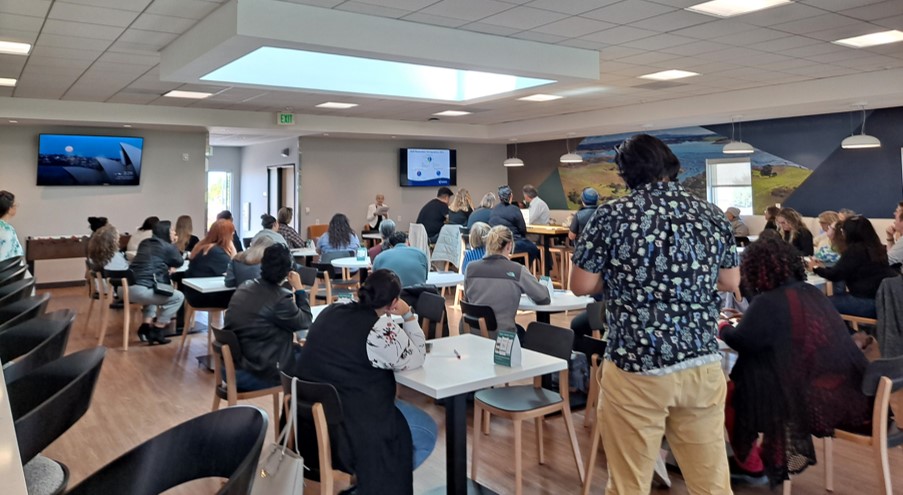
376 213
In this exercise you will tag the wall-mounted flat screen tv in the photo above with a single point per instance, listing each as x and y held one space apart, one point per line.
80 160
422 167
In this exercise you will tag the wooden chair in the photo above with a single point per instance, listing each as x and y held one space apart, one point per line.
525 260
854 321
431 309
96 283
526 402
227 351
118 280
560 263
480 317
595 316
594 349
310 281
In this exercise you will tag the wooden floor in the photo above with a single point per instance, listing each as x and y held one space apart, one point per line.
147 390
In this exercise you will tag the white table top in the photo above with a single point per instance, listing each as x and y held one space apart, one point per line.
373 235
815 280
207 284
444 279
305 251
351 262
444 375
562 300
10 462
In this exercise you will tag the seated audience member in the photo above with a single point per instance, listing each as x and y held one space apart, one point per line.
96 223
10 247
589 198
377 212
498 282
236 241
265 316
791 227
339 236
185 240
292 238
145 231
797 374
357 347
386 229
771 214
737 226
155 259
246 264
477 244
210 258
845 213
270 229
539 213
433 214
460 208
509 215
861 267
894 244
408 263
482 213
103 250
827 244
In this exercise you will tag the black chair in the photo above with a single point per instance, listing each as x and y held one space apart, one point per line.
10 262
333 281
431 309
16 291
12 274
742 241
34 343
246 241
310 281
22 310
224 443
595 317
46 402
478 316
321 429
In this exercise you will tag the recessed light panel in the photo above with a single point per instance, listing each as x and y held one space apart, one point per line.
667 75
286 68
540 97
730 8
7 81
14 47
335 104
866 40
452 113
197 95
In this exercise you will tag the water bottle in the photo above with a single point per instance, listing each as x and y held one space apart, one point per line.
310 244
361 253
547 282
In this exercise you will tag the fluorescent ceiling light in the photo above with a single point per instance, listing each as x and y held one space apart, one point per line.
197 95
7 81
336 104
730 8
286 68
14 47
451 113
540 97
667 75
873 39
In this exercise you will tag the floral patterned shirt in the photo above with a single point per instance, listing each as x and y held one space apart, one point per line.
9 242
391 347
658 251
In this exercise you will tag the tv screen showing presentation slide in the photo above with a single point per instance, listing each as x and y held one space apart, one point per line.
72 160
421 167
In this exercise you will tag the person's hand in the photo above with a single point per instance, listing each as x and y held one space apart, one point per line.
295 280
814 263
728 313
400 307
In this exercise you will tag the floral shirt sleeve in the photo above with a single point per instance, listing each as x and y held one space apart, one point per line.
391 347
9 242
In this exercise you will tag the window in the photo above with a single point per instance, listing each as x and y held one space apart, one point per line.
219 194
729 183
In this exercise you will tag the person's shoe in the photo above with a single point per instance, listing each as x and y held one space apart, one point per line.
143 331
740 475
155 336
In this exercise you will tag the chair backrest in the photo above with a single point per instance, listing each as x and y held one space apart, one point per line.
10 262
448 245
431 309
34 343
549 339
227 337
474 314
315 231
741 241
418 239
595 315
883 379
246 242
224 443
22 310
308 274
49 400
16 291
591 347
12 274
332 255
116 277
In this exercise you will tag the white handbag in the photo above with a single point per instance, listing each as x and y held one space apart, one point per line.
281 470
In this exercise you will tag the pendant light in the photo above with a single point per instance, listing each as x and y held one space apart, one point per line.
737 147
570 157
861 140
514 161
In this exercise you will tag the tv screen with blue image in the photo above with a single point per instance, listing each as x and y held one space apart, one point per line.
81 160
422 167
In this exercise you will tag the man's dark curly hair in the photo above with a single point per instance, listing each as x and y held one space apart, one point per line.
770 263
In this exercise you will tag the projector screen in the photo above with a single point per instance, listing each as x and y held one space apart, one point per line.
422 167
81 160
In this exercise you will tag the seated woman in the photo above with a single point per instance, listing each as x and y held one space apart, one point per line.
154 261
264 316
357 347
797 373
339 237
103 250
482 213
828 244
246 264
861 267
477 240
270 229
292 237
498 282
793 230
185 239
210 258
145 231
771 215
386 229
460 207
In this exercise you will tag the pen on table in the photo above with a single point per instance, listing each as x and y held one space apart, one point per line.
456 353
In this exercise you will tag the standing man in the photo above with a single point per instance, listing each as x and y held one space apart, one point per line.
737 226
663 254
377 212
539 210
434 213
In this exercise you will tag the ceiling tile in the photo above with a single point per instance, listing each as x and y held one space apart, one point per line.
129 58
317 3
489 29
694 49
408 5
842 32
56 40
94 15
435 20
523 18
751 37
672 21
888 8
780 44
133 5
136 48
572 7
805 51
374 10
540 37
81 30
33 69
628 12
589 45
838 4
60 52
149 38
874 62
11 65
191 9
895 22
19 23
659 41
613 52
17 35
163 23
619 34
784 13
650 58
49 92
714 29
133 98
59 62
33 8
469 10
574 27
817 23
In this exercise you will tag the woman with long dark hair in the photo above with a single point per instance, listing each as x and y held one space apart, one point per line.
185 240
154 261
339 237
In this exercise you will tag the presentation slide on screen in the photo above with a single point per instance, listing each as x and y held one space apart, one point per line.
429 167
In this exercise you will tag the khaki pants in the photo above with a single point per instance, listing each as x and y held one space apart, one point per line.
686 406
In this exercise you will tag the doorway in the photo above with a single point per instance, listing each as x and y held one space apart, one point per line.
281 189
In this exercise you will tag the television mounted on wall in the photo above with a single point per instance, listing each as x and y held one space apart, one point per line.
88 160
427 167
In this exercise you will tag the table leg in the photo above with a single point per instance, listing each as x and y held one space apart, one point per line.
546 243
543 317
364 273
456 451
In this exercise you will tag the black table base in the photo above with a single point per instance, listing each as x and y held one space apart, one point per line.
456 451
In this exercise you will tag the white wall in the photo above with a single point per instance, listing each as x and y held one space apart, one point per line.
254 162
169 187
224 159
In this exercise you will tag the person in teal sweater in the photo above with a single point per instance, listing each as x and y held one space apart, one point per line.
410 264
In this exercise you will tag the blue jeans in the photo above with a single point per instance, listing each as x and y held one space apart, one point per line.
423 430
527 246
848 304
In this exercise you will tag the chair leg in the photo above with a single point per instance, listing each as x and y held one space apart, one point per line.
276 415
104 321
569 424
216 402
591 399
127 320
829 464
540 450
883 466
189 324
518 459
88 316
591 462
788 486
475 453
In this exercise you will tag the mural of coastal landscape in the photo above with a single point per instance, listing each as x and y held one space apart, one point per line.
773 178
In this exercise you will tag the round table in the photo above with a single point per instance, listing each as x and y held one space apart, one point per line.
373 235
562 300
352 262
307 253
444 279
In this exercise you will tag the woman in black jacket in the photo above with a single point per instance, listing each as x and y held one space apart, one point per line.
264 315
155 259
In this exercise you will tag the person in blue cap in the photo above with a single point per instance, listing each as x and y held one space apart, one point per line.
589 199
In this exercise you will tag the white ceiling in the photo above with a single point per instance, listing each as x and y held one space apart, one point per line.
108 51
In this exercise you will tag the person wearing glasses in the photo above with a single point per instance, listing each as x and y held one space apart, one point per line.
10 247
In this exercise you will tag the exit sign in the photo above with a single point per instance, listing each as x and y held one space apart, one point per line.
284 118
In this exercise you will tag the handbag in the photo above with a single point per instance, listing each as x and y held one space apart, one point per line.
281 470
163 288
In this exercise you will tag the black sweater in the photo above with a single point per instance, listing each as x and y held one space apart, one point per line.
861 275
